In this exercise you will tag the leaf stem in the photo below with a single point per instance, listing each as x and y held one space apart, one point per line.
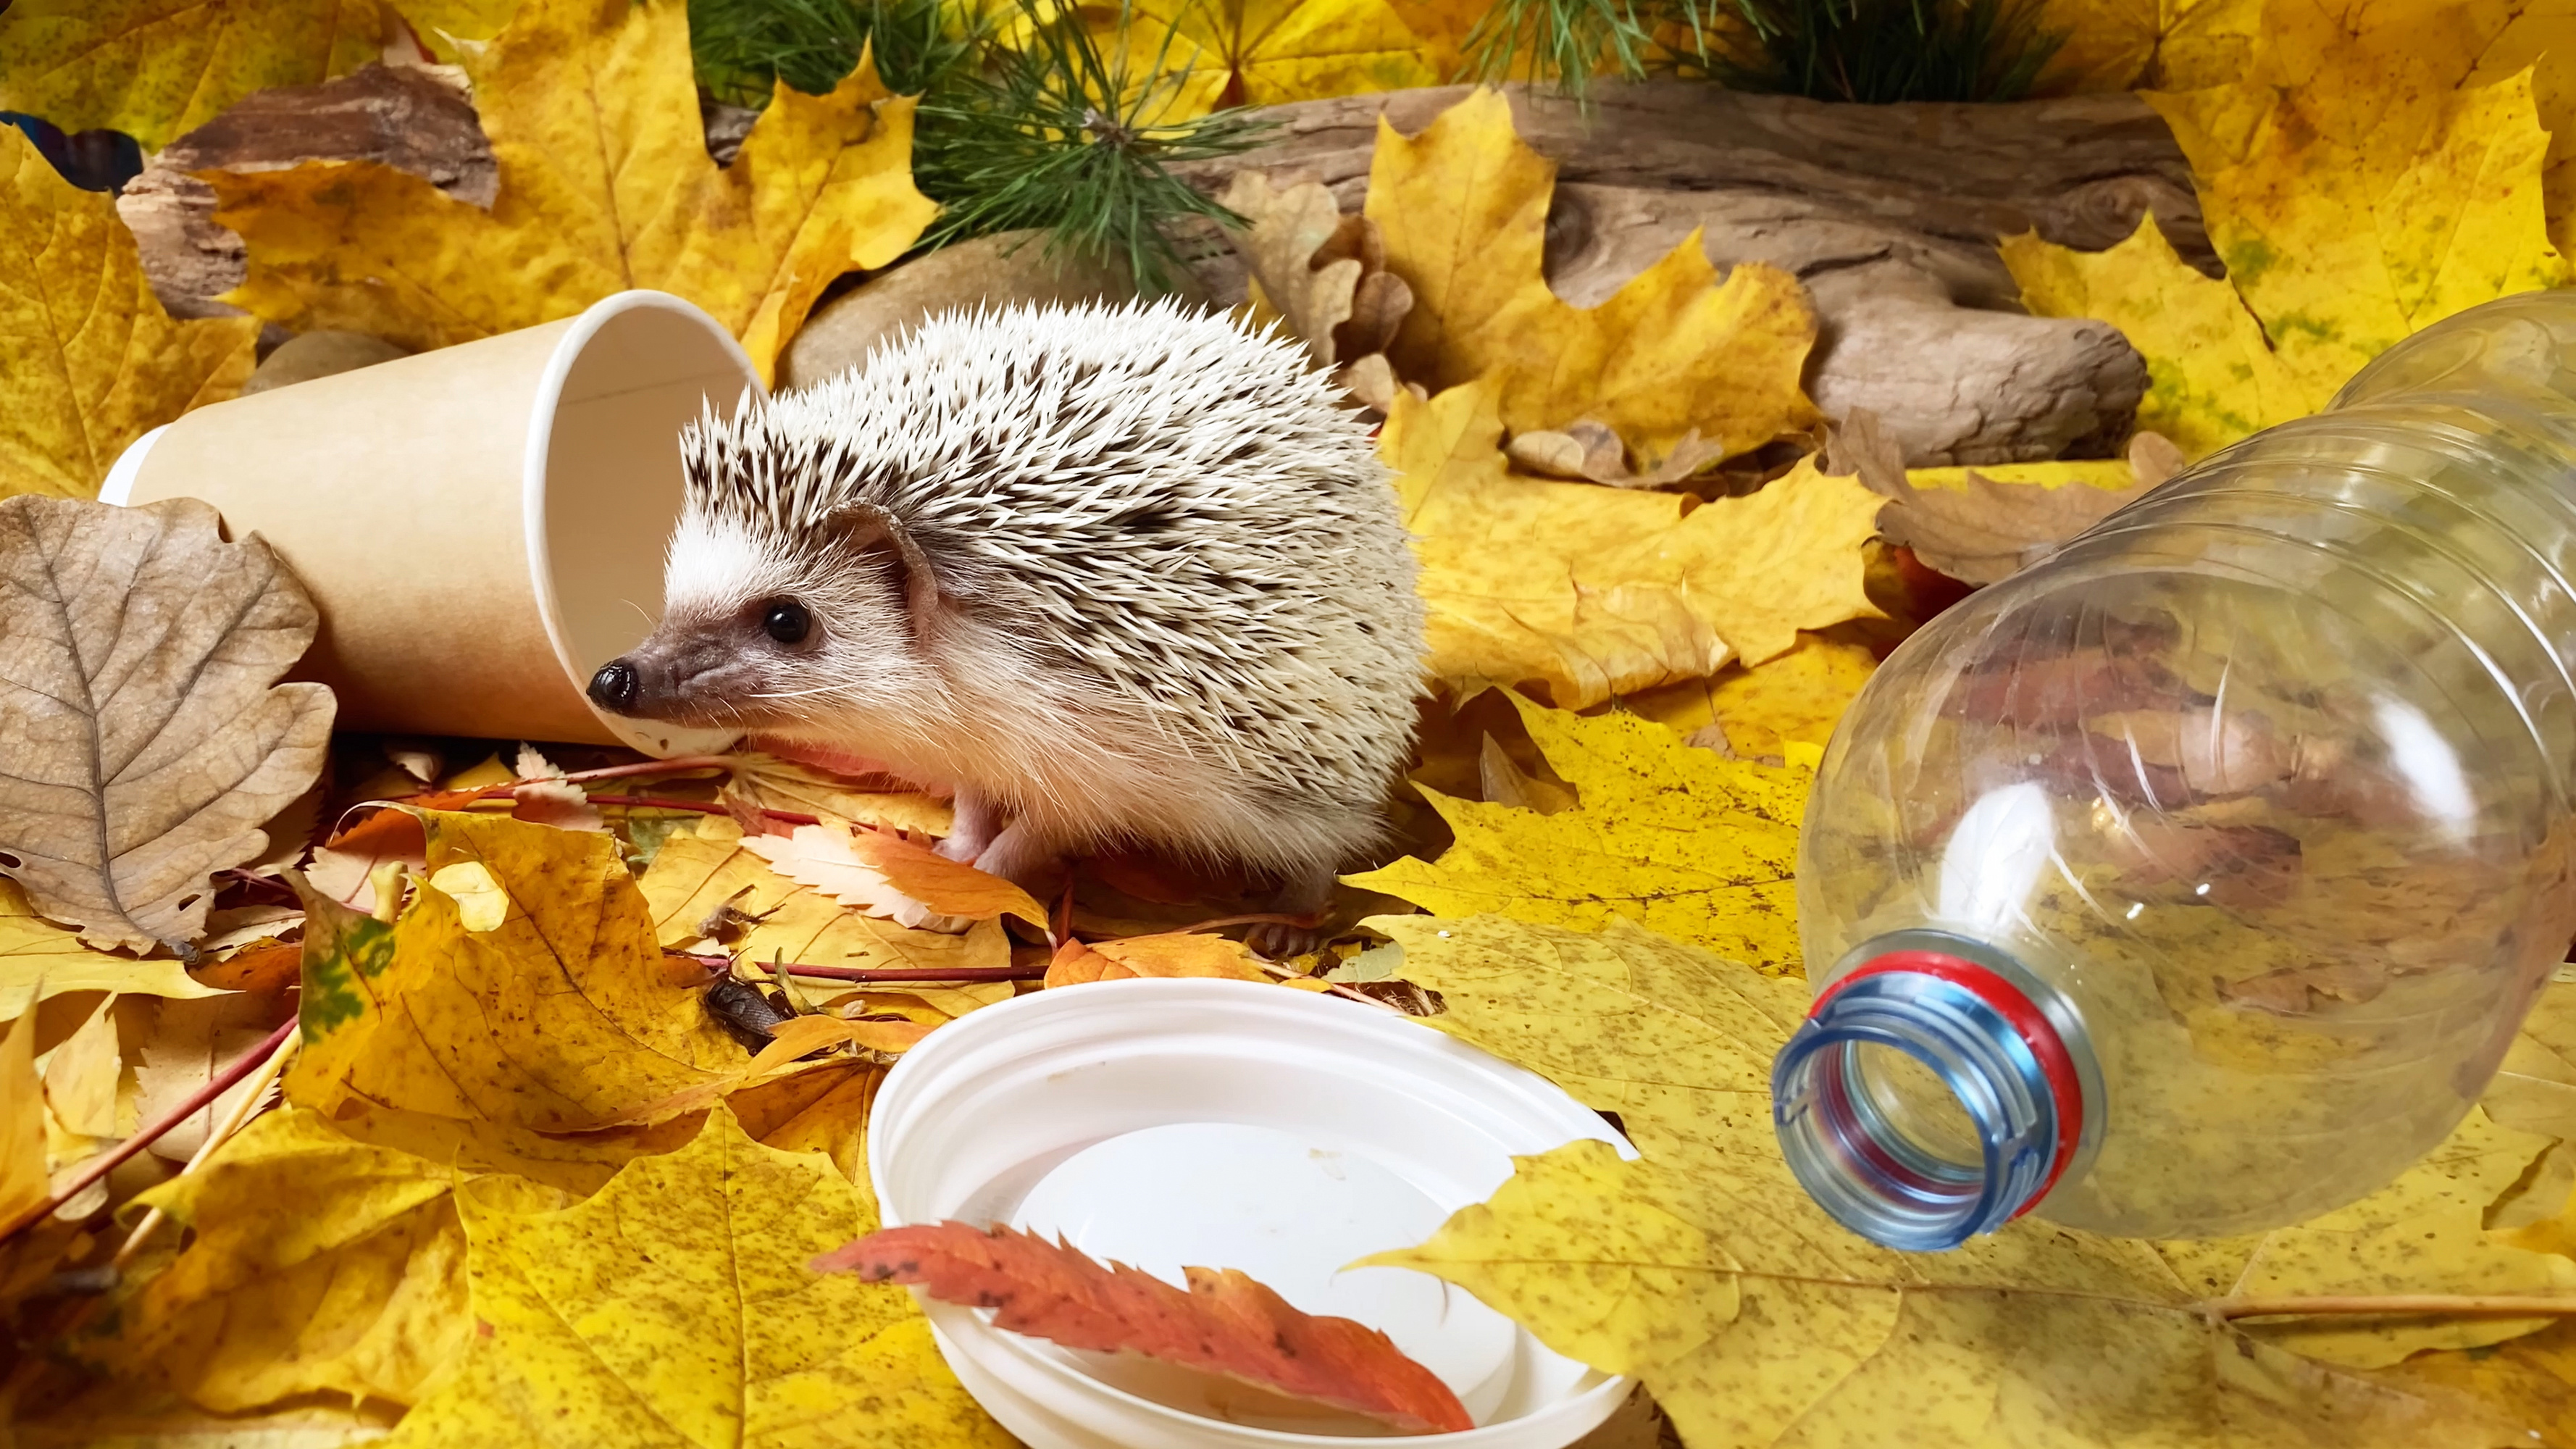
241 1113
108 1161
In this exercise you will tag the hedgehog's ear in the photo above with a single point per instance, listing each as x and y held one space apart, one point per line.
867 528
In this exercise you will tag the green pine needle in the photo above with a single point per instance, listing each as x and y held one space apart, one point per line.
1046 135
1566 40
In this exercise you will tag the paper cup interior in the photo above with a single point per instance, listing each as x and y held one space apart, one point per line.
1227 1124
604 480
483 525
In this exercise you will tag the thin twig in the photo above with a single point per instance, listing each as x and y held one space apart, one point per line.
865 974
2391 1305
232 1123
108 1161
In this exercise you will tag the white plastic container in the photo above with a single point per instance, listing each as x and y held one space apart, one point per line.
1227 1124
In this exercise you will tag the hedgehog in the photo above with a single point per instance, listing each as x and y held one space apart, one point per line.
1112 575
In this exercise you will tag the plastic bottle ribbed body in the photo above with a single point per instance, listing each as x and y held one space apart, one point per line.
2265 780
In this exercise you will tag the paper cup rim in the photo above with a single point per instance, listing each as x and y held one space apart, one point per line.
548 399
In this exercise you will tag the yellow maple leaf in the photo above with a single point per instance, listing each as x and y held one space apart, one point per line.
554 1019
92 361
155 68
317 1265
1463 209
676 1309
2356 197
1794 699
605 184
2175 45
1697 846
37 954
1600 591
1270 52
1755 1320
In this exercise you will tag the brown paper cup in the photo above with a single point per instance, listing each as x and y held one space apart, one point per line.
482 526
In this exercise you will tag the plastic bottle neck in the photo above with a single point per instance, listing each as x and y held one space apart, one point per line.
1937 1090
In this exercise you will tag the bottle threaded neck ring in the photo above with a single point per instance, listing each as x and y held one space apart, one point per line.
1929 1098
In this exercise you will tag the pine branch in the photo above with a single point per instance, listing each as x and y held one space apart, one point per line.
1053 134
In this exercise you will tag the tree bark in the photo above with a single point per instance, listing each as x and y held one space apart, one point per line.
1889 214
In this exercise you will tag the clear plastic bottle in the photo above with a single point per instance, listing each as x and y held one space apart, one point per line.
2195 881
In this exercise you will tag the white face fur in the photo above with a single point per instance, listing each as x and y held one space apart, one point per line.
755 640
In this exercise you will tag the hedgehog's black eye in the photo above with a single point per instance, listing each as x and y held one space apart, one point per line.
787 622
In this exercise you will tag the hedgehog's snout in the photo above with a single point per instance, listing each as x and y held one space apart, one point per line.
662 678
614 686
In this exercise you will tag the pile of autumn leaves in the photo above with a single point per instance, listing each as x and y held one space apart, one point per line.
523 1185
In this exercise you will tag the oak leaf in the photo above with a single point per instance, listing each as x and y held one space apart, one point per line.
1176 954
1597 592
675 1308
1755 1319
1225 1323
1463 208
149 736
93 361
1324 276
1698 847
605 184
2356 197
555 1020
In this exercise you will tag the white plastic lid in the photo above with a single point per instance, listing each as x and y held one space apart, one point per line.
1227 1124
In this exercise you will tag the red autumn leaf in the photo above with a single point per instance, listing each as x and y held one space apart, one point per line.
1225 1324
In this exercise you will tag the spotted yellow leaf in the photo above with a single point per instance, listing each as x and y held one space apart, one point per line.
1756 1321
675 1309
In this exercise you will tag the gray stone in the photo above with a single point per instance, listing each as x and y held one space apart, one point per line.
1006 267
319 354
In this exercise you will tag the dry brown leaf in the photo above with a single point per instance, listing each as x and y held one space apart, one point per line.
1590 452
1289 225
1983 525
1324 275
149 739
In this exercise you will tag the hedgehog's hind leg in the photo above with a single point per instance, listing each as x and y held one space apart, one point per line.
1025 856
980 821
